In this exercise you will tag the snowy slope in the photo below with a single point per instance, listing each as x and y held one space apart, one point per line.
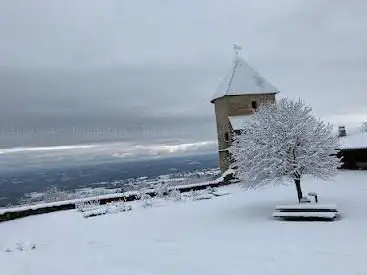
231 235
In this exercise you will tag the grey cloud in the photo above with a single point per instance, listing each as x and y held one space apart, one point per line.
92 64
57 106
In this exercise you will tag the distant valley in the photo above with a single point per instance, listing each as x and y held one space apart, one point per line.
14 183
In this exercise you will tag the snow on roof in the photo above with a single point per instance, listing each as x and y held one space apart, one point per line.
238 122
243 79
354 141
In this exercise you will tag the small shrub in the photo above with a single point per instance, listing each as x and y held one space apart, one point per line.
175 195
145 198
161 190
83 206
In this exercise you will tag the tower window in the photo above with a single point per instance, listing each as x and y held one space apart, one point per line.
226 136
254 105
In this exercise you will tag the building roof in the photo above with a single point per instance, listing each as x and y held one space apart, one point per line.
351 141
243 79
238 122
354 141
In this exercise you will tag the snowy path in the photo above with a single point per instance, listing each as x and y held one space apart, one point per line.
226 235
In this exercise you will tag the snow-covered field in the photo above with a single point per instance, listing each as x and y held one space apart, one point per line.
232 234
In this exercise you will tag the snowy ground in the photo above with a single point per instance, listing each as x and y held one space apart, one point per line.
232 234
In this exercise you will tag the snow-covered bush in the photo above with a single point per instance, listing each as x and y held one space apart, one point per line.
175 195
85 205
118 206
93 208
21 246
197 195
284 140
161 190
53 194
211 190
98 211
364 127
193 194
79 205
145 198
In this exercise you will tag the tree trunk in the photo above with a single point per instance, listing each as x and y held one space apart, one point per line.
299 190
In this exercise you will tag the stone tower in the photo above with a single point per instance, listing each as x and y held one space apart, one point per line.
239 94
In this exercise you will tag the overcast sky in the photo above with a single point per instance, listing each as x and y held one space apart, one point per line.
72 71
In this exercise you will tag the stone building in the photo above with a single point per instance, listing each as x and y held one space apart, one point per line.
236 99
353 149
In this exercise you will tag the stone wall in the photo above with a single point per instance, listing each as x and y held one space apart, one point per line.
223 126
242 104
25 212
224 160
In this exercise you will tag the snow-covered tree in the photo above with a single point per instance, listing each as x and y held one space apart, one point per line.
364 127
161 190
53 194
175 195
145 198
284 140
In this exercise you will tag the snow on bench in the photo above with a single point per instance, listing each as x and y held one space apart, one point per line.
318 215
309 207
307 211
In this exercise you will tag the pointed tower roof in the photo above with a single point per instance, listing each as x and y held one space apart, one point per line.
243 79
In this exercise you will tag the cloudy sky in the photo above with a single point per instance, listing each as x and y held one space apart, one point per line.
73 72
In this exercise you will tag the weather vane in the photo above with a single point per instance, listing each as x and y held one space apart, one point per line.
237 49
